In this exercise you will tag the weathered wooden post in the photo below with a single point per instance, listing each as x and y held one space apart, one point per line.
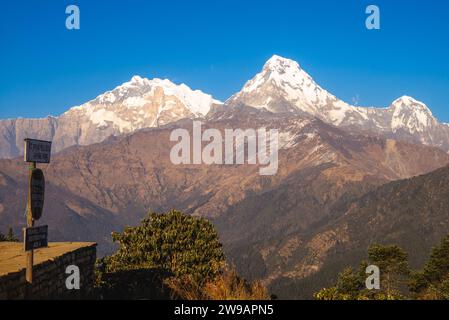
36 151
30 224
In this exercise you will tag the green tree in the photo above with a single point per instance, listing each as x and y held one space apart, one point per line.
350 284
175 242
433 281
9 237
393 264
163 246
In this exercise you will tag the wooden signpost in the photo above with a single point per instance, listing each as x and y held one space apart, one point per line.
36 151
35 238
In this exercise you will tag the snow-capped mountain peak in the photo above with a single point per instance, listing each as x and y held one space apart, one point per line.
410 103
283 73
406 100
287 73
281 65
136 93
411 114
283 86
142 103
137 80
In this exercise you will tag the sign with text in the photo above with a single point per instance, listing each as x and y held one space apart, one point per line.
37 193
37 151
35 237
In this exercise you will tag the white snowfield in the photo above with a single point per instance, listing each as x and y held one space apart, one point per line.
126 107
282 86
282 82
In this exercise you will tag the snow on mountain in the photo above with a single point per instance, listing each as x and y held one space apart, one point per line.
136 104
136 90
283 80
142 103
283 86
411 114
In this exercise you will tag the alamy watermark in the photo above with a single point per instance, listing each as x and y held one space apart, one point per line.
372 282
72 282
372 22
260 146
72 22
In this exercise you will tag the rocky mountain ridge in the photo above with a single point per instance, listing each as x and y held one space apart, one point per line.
281 87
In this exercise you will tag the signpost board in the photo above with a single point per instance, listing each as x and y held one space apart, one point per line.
35 238
37 151
37 193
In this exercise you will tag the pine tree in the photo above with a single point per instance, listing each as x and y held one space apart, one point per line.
10 237
393 264
433 281
350 285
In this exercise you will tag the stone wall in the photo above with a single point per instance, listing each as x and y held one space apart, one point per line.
49 272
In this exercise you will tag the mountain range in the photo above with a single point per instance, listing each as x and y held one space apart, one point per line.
137 104
348 176
412 213
281 87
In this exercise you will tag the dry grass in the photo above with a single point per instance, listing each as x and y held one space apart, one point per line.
226 286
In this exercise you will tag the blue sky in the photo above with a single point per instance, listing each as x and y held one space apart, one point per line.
216 46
